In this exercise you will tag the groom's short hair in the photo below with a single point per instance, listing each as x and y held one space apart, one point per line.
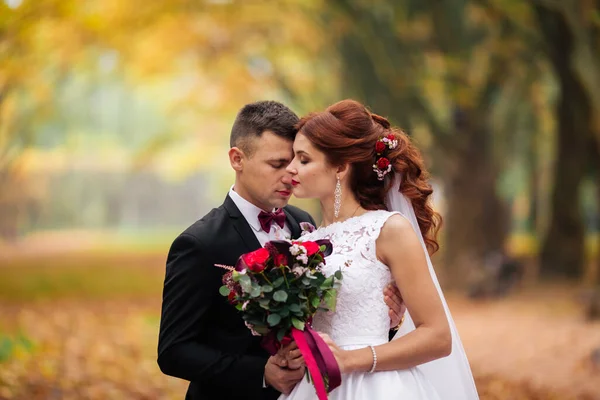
255 118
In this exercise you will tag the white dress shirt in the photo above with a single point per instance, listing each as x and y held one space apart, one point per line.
250 213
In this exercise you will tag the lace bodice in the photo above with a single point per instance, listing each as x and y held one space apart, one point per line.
361 315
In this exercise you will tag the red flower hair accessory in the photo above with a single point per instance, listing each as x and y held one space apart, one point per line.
382 165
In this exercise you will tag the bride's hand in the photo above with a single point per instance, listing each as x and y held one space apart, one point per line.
339 354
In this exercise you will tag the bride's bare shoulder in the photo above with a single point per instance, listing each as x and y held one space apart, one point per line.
395 225
396 235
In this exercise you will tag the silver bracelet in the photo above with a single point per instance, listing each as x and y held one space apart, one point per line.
374 359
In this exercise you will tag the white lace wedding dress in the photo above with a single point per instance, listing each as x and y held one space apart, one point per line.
361 317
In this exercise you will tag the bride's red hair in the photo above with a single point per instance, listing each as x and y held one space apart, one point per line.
347 133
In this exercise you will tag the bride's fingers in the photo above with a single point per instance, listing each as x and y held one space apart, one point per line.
328 341
325 337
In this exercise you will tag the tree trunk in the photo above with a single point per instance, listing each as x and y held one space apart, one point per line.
592 274
563 249
476 220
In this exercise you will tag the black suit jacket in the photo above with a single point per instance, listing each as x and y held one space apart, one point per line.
202 337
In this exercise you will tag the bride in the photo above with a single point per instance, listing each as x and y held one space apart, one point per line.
374 197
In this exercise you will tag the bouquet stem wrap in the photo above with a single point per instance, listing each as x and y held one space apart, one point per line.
319 359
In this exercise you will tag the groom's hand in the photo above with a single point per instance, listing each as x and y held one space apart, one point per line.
394 301
282 379
292 355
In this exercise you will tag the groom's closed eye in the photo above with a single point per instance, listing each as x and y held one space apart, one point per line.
279 164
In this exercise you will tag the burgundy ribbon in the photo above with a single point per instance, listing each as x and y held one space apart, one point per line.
319 360
317 355
332 368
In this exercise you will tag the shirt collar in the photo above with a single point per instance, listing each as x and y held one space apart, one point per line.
248 210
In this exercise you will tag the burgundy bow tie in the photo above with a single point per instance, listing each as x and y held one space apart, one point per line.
266 219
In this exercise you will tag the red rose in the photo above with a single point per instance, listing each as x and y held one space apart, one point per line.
311 248
391 136
380 147
256 259
280 259
383 163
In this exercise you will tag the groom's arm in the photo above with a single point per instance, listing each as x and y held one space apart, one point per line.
189 290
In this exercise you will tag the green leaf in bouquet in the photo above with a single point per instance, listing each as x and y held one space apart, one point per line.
315 301
294 307
280 296
239 306
298 324
273 319
327 283
330 299
338 275
267 288
278 282
253 320
284 312
246 283
281 333
255 292
276 307
264 303
306 281
302 296
224 290
263 330
318 281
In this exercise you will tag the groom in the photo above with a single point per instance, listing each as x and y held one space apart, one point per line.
203 339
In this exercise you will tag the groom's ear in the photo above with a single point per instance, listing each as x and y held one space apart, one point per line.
236 158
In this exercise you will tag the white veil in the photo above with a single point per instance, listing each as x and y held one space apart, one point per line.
450 375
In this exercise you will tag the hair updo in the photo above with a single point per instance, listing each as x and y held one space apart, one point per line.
347 133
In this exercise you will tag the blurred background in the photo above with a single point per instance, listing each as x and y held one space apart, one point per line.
114 126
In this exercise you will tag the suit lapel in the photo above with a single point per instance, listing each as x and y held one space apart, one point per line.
292 223
240 224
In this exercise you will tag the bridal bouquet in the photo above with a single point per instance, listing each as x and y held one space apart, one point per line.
278 289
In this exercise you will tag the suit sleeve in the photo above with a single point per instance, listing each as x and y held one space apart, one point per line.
191 284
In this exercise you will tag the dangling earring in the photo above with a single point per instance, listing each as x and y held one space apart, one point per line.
338 198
